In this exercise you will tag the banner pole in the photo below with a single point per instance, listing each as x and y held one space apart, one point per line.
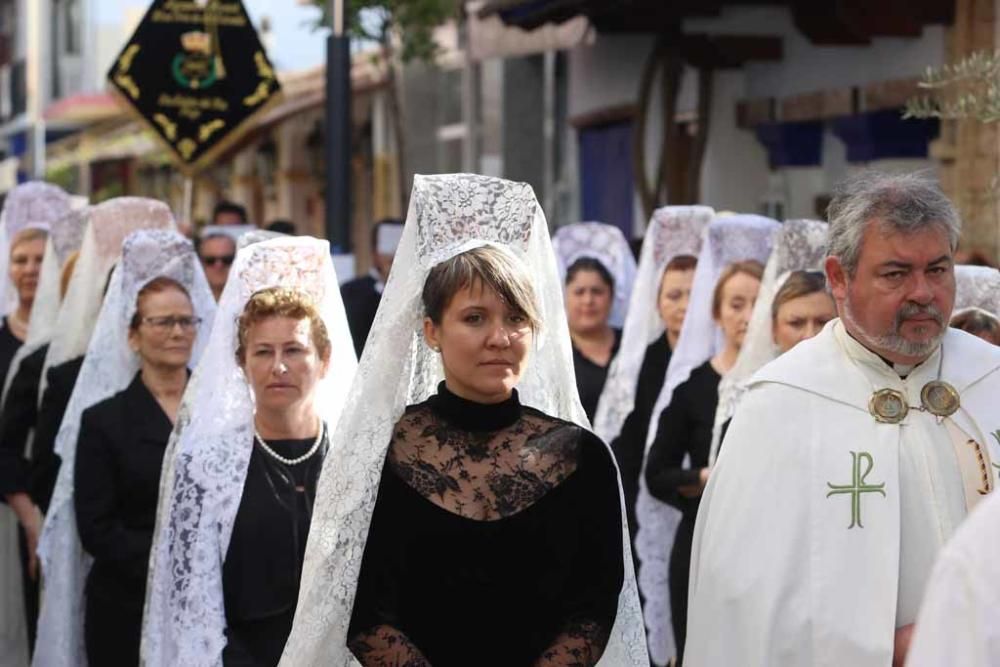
188 206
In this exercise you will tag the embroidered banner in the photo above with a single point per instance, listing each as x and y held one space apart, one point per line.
195 71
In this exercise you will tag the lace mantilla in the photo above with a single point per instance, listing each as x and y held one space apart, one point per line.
672 231
108 368
108 225
448 214
206 462
977 287
608 245
728 239
800 245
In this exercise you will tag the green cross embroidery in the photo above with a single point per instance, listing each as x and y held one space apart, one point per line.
857 486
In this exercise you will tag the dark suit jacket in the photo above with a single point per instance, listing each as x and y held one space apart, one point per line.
19 473
119 454
361 303
59 387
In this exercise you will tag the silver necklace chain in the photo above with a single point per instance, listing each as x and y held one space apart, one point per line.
290 462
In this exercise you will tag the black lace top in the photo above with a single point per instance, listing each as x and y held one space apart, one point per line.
496 540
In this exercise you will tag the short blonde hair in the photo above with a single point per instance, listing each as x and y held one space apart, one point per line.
486 266
282 302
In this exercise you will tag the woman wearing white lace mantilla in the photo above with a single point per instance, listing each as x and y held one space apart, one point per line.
28 211
97 533
460 520
239 482
728 239
598 269
652 327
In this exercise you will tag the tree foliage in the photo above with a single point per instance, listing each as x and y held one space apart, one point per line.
968 89
413 21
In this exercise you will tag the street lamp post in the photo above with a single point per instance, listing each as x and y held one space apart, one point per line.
338 134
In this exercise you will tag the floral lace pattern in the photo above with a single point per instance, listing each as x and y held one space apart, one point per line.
448 215
977 287
108 368
672 231
800 245
608 245
728 239
481 476
207 458
110 222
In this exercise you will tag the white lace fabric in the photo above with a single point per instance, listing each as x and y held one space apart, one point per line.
32 204
672 231
728 239
206 462
977 287
800 245
107 225
109 367
608 245
448 215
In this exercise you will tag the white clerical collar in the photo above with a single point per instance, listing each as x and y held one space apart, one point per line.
377 277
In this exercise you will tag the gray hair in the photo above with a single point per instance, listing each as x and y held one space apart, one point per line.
903 203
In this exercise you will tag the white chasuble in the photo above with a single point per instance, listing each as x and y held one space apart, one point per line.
819 525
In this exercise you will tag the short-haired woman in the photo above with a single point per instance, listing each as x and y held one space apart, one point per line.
684 428
465 516
590 292
243 472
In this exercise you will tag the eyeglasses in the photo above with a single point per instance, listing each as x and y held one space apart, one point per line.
167 323
209 260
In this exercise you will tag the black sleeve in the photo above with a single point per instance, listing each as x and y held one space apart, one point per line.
16 422
97 498
589 611
664 473
50 414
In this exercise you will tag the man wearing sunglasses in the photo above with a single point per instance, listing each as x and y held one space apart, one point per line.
217 252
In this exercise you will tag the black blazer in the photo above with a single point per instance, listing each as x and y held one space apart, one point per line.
119 454
60 381
361 301
20 412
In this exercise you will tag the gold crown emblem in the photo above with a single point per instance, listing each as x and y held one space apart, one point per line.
196 41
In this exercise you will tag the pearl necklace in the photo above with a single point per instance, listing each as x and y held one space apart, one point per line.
290 462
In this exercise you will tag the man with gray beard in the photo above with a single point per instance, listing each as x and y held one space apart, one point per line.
854 456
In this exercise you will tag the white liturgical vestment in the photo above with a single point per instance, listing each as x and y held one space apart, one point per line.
819 526
959 623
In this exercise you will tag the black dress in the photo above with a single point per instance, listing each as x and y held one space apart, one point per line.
260 576
684 428
532 564
19 472
119 455
630 445
60 381
590 377
361 300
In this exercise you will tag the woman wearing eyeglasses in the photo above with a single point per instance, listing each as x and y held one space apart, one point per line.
119 454
217 252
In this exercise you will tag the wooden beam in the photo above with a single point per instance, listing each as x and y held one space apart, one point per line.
729 51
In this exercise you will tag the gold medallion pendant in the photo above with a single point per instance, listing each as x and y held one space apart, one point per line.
888 406
939 398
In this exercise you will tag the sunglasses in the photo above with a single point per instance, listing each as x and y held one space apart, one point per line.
209 260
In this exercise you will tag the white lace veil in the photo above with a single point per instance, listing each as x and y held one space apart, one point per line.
108 224
672 231
728 239
977 287
800 245
32 204
108 368
448 215
608 245
65 237
206 462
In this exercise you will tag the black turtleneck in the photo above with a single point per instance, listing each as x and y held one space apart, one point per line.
496 591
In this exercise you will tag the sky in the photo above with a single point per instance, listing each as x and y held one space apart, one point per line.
294 44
